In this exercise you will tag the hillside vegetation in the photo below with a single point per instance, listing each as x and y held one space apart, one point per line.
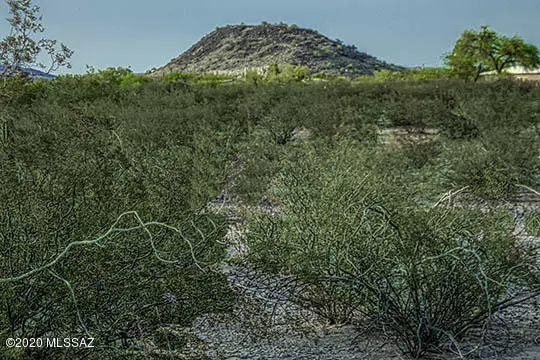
233 49
357 173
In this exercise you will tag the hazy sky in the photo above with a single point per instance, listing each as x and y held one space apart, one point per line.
144 34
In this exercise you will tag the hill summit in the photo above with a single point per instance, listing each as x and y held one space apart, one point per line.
235 48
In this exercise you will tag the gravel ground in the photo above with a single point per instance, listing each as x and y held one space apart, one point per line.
259 329
262 330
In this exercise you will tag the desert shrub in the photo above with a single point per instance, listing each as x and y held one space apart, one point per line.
456 126
67 89
253 77
407 112
132 81
494 166
214 79
257 163
77 151
203 79
286 73
423 74
272 113
300 73
118 292
428 74
418 154
69 169
487 129
426 274
18 90
110 83
322 76
176 76
532 223
499 104
110 75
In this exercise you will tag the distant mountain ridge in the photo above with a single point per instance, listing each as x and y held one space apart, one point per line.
234 48
34 73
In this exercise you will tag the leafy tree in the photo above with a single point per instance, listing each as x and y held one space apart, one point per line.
20 48
485 50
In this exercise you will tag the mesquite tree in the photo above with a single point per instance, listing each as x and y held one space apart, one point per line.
485 50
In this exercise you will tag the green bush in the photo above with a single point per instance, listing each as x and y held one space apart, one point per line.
327 77
497 162
132 81
214 79
70 166
426 274
286 73
423 74
532 223
176 76
253 77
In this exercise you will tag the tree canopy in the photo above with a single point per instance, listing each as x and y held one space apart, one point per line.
485 50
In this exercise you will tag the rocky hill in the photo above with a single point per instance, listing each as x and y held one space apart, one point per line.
234 48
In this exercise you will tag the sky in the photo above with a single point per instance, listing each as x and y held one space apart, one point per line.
145 34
